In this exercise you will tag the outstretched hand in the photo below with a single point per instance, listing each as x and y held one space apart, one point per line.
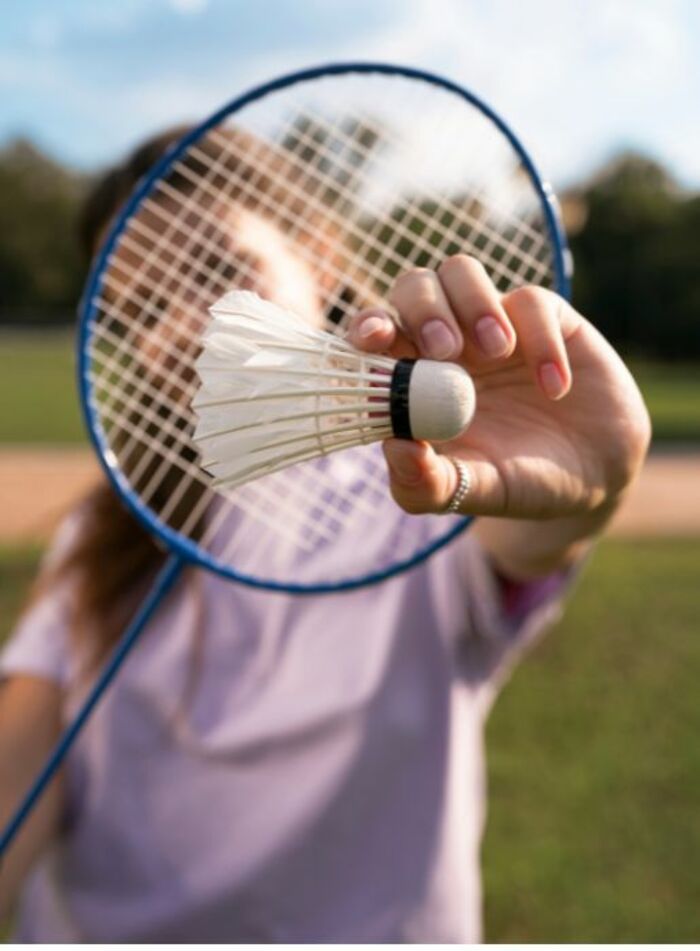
560 426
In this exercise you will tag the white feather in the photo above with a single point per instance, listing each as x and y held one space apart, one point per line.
275 391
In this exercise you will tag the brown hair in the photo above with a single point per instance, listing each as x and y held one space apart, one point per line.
111 559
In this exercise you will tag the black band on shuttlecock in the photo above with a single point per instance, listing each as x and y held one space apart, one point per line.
398 400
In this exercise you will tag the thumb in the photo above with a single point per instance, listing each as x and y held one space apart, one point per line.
423 481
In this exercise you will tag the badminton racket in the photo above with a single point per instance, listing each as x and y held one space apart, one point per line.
356 172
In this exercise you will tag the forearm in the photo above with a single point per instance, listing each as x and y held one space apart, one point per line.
523 549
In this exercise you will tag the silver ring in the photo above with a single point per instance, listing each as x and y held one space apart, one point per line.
463 486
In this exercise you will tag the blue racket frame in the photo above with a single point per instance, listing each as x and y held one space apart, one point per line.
184 551
179 544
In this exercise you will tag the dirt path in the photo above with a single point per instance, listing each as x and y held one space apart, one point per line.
666 499
37 485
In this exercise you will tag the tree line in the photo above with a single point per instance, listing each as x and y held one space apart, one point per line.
634 234
41 267
636 256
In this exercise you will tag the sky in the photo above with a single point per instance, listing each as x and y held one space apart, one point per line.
579 80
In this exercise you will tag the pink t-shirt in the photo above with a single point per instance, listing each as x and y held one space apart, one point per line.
320 779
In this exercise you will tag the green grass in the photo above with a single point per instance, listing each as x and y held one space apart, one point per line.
672 393
38 401
594 757
594 831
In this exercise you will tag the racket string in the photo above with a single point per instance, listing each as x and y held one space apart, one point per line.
335 183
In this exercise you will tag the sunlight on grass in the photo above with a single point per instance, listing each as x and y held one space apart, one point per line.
38 395
594 830
594 763
672 393
39 402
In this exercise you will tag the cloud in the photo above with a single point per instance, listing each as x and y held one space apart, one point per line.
575 80
45 32
189 7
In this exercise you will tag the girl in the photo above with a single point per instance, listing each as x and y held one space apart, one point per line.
275 768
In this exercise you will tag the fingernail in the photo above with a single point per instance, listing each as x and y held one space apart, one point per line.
552 380
438 340
492 337
404 465
371 325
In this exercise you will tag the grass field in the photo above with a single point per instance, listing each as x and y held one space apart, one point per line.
673 397
37 389
39 403
595 762
594 828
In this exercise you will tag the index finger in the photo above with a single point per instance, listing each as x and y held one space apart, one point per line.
374 331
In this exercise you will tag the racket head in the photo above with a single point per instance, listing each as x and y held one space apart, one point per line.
341 544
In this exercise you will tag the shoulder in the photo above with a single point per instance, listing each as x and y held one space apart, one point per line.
39 645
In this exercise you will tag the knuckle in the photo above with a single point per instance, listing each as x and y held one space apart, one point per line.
529 297
463 263
414 276
416 293
403 288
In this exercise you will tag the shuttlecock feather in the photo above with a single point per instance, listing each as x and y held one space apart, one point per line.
275 391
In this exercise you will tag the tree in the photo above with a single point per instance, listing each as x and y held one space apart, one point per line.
636 259
40 266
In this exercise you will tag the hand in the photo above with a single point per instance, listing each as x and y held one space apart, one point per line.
560 426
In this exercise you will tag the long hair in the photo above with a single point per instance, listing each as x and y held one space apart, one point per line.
112 559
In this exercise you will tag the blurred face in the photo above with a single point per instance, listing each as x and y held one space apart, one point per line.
276 270
164 278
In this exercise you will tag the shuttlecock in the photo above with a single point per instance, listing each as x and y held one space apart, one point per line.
275 391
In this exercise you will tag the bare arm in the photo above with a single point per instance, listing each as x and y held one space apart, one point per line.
524 550
30 722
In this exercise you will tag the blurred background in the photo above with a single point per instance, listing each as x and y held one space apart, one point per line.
594 828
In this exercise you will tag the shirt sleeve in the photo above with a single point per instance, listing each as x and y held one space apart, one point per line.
40 642
505 618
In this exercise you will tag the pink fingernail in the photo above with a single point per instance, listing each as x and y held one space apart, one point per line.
552 380
371 325
492 337
439 342
404 465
